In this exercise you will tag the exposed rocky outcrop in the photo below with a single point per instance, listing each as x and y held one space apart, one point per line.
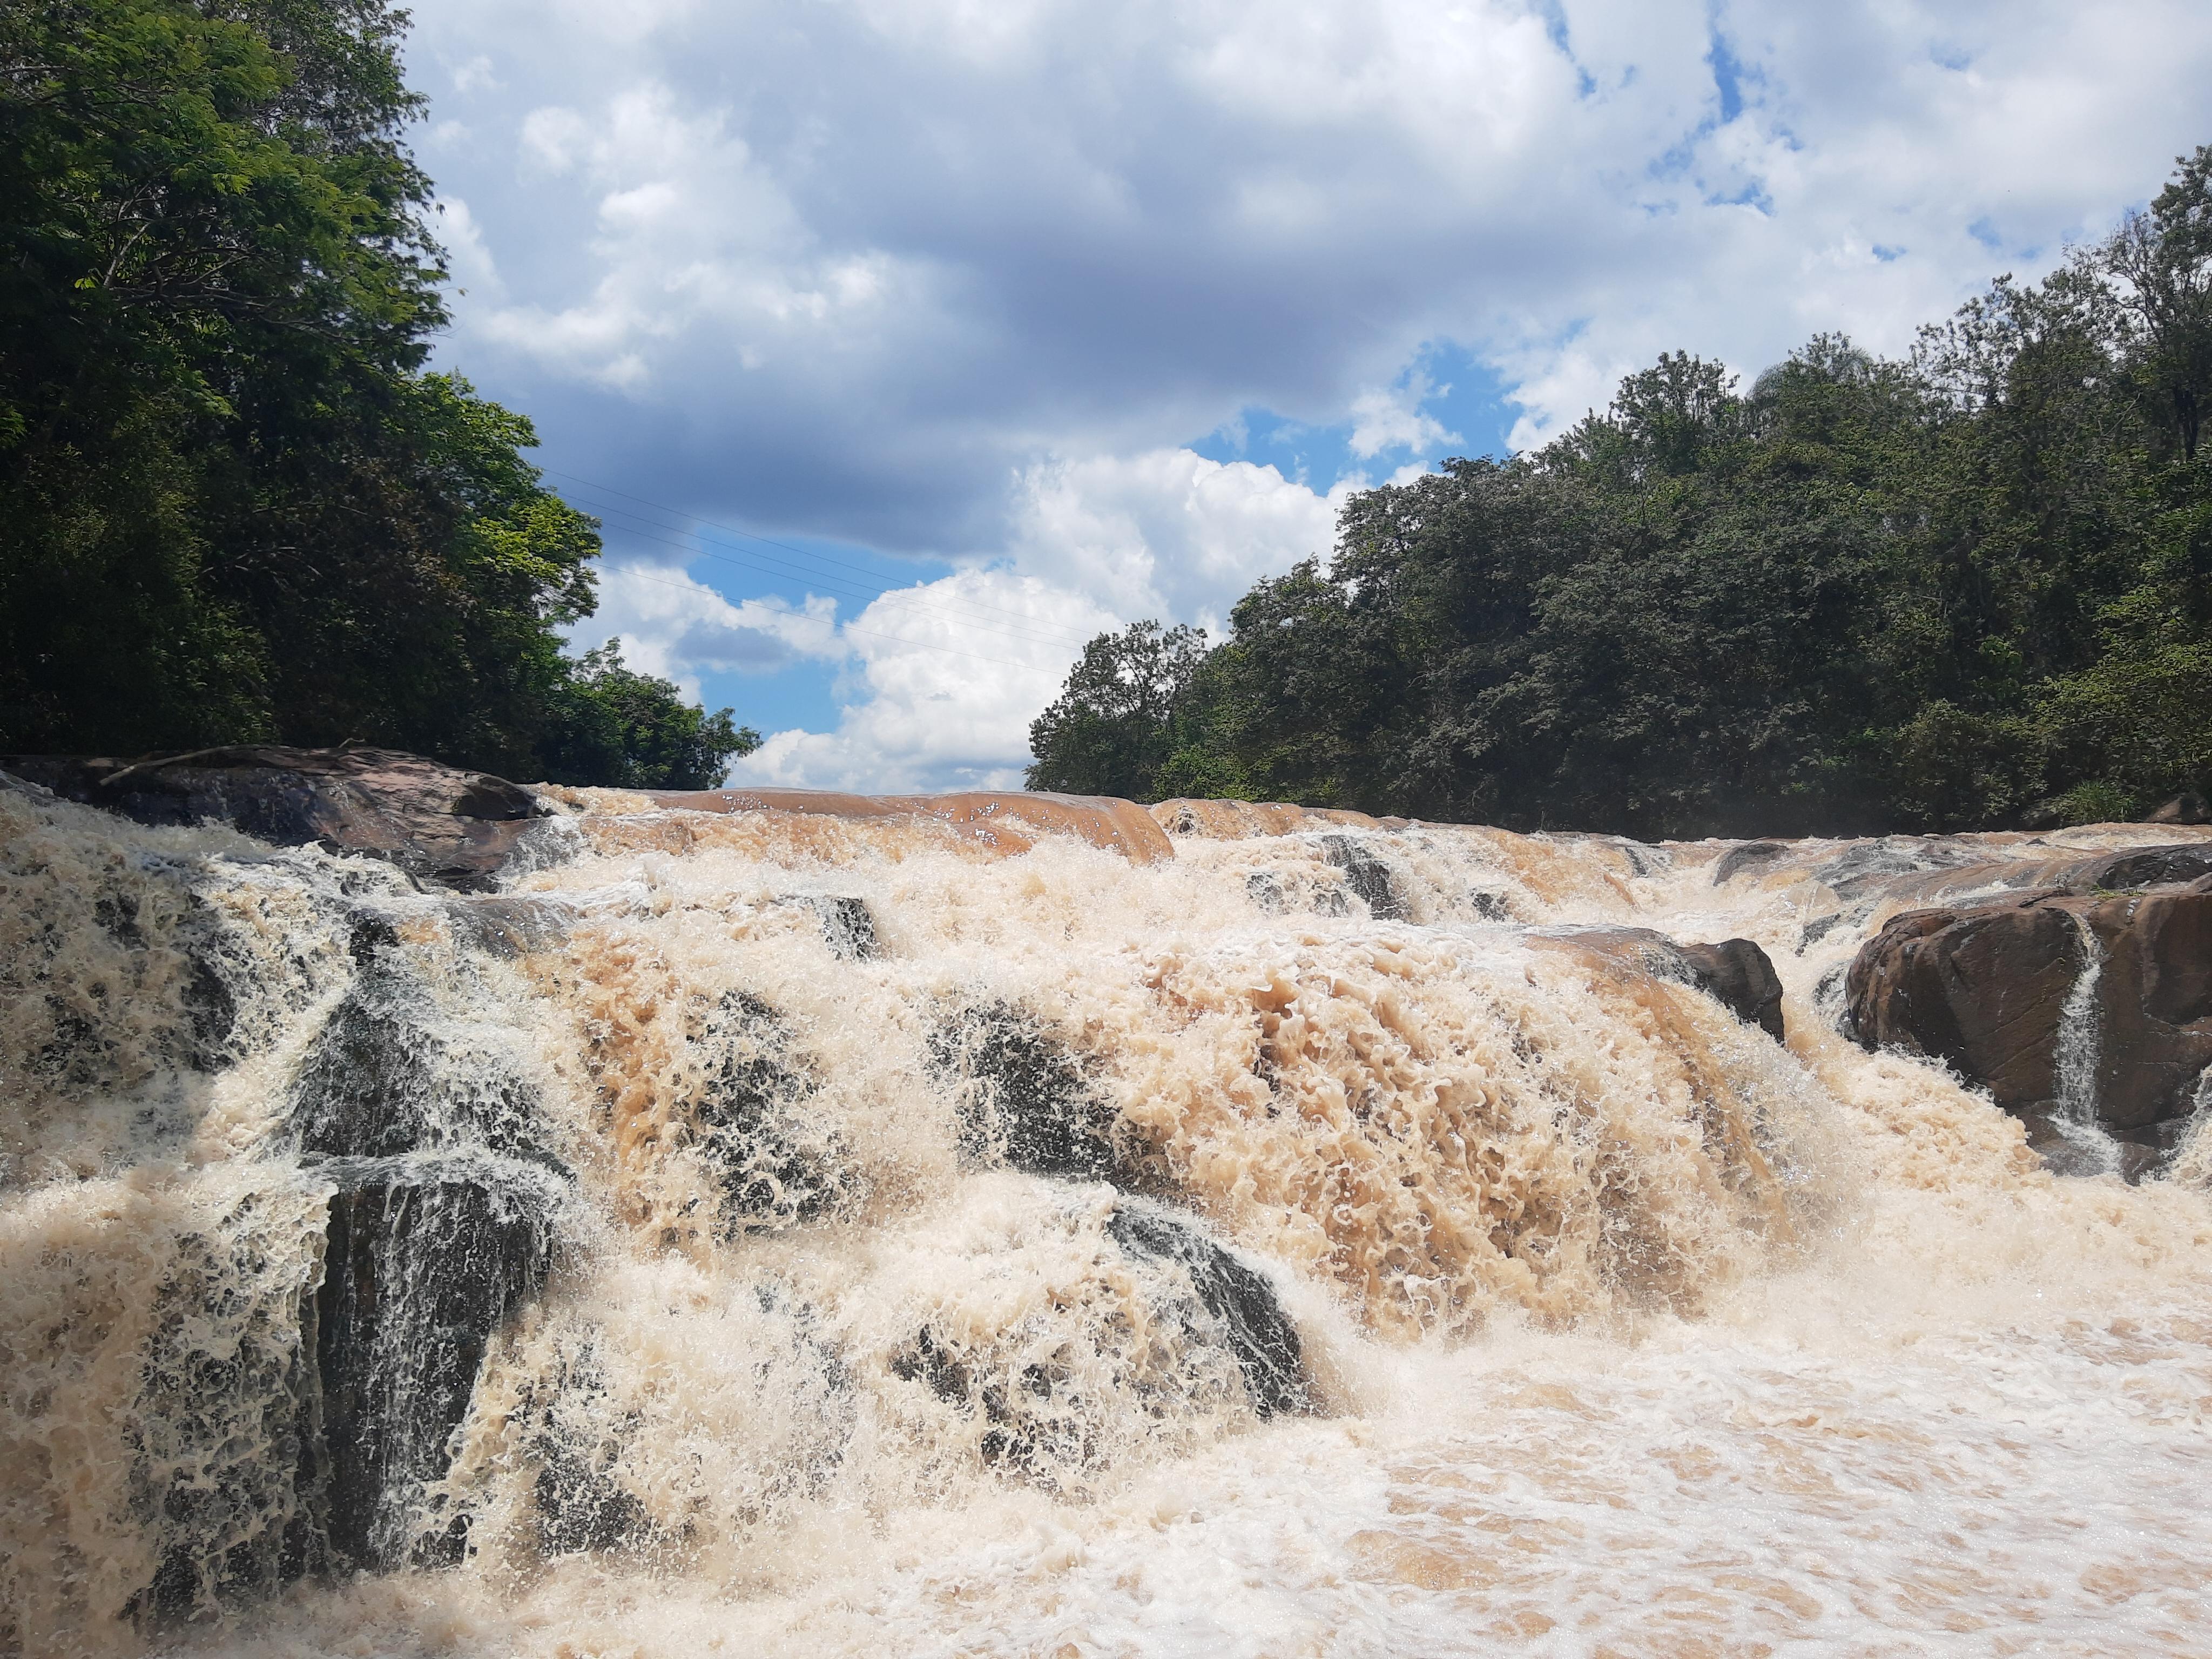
1735 973
1246 1317
441 1226
425 1260
1023 1097
774 1162
438 823
1367 876
2080 1009
1031 1405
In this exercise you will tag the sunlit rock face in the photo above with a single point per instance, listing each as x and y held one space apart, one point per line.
2088 1016
691 1191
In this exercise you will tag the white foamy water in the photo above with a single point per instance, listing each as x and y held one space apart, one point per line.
1620 1328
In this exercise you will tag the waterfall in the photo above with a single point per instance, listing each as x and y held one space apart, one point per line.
2089 1149
755 1223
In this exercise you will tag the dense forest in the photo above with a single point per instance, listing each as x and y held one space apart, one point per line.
1968 589
235 504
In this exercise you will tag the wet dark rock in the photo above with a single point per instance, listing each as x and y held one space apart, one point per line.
2187 807
1735 973
581 1503
1027 1428
1265 889
252 1514
427 1258
847 927
438 823
774 1165
1024 1099
1818 929
580 1506
379 1081
1490 907
211 1004
1738 974
1737 859
1367 876
510 927
1867 867
1247 1320
2141 867
1033 1412
1980 990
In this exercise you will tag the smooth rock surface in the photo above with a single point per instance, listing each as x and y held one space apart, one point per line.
1986 990
438 823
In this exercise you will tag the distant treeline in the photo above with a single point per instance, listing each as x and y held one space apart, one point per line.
1969 588
234 506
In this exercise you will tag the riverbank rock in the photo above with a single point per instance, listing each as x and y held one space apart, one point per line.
2080 1009
440 824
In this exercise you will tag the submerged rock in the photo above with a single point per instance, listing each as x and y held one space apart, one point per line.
1249 1319
426 1259
1023 1099
379 1081
438 823
773 1165
1167 1331
849 928
1367 876
1737 859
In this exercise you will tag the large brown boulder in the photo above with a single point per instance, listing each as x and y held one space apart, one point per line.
2004 994
438 823
1739 976
1981 990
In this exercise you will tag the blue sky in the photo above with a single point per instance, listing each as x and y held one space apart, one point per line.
1464 403
903 344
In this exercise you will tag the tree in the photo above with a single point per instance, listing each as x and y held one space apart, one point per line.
1970 588
1111 730
621 729
234 506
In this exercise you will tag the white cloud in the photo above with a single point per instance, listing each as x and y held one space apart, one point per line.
847 270
1392 418
1167 533
949 675
673 625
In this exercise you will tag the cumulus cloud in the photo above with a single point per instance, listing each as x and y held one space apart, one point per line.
1392 418
1167 533
673 625
954 278
937 701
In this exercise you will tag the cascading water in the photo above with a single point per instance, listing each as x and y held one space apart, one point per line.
857 1235
2089 1149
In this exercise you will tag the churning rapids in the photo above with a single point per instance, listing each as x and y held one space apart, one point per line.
762 1232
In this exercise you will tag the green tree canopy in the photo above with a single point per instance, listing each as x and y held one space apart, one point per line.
234 505
617 726
1971 587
